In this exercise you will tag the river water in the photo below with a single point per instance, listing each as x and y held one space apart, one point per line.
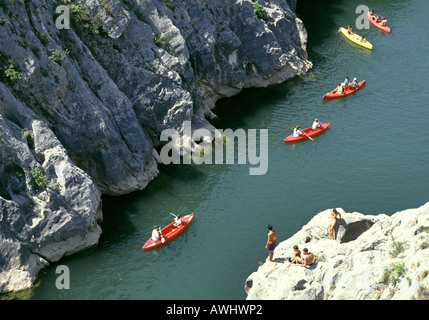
373 159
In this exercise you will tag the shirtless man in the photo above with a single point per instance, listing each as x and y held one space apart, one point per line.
308 258
271 242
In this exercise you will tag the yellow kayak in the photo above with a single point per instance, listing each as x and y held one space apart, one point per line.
356 38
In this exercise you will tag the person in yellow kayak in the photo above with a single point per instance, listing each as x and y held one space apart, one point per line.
349 30
362 39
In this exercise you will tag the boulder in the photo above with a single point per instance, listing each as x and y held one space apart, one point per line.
372 257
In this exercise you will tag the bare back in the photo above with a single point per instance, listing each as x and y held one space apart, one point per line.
272 236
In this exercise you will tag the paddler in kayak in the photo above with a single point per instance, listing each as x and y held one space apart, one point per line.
316 124
178 221
156 234
339 89
297 131
349 30
271 242
354 83
346 83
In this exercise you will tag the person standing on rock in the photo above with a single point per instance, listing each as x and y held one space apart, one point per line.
332 222
271 242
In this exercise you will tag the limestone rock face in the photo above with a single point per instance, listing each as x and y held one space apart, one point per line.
372 257
44 216
86 92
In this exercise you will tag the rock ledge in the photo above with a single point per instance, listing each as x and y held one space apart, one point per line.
372 257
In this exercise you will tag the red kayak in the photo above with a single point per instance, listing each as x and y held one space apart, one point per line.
308 132
333 95
169 232
375 23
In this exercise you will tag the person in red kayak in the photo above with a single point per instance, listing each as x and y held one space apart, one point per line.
271 242
316 124
178 221
339 89
156 234
297 131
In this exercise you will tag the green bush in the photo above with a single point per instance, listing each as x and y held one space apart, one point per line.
12 75
58 55
393 274
39 179
160 41
27 134
259 10
82 19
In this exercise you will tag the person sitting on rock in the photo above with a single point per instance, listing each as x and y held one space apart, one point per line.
308 258
295 257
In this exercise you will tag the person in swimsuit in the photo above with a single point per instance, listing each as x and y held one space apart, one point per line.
332 221
296 257
308 258
271 242
349 30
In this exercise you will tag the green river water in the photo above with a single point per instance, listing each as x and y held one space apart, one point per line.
373 159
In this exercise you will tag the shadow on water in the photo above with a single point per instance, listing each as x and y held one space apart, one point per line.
117 211
233 112
318 17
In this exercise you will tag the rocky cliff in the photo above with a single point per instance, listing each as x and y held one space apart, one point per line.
371 257
85 93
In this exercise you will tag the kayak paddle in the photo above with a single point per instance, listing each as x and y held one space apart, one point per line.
307 136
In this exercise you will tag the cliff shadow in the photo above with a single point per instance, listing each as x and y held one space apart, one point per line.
349 231
318 18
